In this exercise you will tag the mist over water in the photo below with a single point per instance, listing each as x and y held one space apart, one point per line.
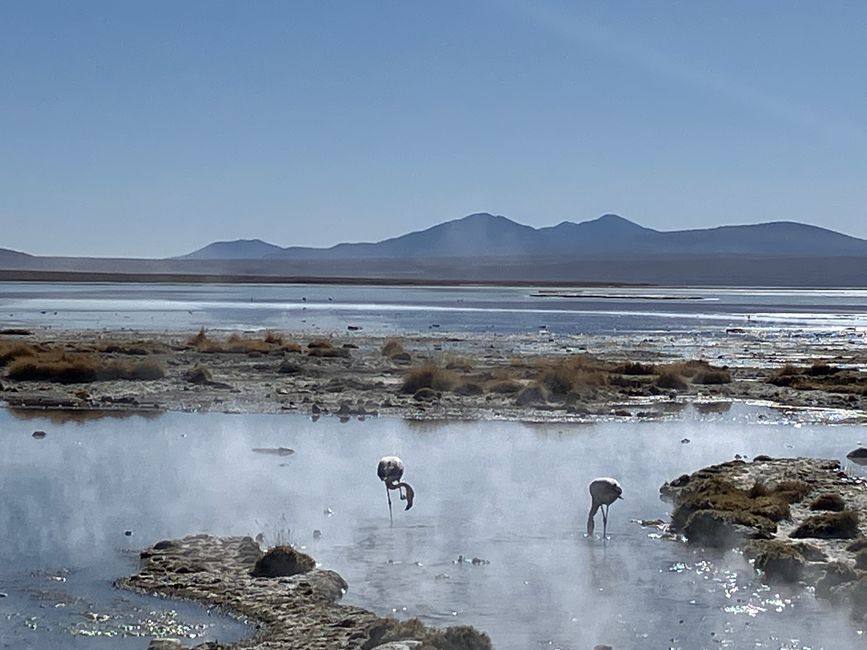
510 494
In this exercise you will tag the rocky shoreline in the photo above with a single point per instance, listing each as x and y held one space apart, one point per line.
292 603
532 377
799 520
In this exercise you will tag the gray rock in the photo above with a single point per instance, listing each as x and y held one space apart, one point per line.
165 644
282 561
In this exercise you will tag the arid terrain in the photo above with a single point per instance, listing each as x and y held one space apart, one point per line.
531 377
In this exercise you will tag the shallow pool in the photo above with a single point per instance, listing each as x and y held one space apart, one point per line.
510 495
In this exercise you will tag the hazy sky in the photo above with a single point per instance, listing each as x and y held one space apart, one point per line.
152 128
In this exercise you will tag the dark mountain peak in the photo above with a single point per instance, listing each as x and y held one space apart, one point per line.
610 217
605 226
480 216
613 221
240 249
8 252
484 219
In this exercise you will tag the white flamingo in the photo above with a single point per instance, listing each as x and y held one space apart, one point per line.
390 471
603 492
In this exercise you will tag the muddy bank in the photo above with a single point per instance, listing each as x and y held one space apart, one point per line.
533 377
292 603
800 520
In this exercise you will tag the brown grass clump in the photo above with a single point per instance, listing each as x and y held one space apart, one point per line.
792 490
821 369
821 376
698 371
459 363
829 525
282 561
198 375
561 376
428 376
504 387
759 489
759 502
325 349
237 344
671 380
459 637
75 369
135 348
392 347
469 389
634 368
11 350
830 501
713 376
200 341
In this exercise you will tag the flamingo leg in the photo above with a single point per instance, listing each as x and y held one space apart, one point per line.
388 496
604 522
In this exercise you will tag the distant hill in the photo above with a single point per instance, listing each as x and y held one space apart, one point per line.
8 256
239 249
486 235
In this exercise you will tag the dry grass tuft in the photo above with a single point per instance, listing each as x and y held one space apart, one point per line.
821 369
760 502
73 369
634 368
671 380
135 348
392 347
429 375
462 364
200 341
828 501
829 525
713 376
505 387
237 344
325 349
561 376
11 350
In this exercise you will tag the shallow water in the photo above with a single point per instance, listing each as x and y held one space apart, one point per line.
701 311
510 494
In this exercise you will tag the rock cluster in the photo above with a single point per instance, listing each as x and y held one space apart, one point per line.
294 604
799 519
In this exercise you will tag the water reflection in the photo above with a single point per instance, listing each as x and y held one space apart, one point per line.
511 495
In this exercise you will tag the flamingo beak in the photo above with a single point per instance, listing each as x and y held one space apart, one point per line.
621 498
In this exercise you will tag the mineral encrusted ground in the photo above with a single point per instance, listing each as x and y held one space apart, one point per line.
298 611
530 377
771 508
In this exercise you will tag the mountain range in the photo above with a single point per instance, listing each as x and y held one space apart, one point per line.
486 235
484 248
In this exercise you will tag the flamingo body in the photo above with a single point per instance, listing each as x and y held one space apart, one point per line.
603 492
390 471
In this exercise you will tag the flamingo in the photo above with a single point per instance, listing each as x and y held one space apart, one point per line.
390 471
603 492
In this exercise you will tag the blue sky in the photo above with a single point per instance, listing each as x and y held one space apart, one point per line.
153 128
